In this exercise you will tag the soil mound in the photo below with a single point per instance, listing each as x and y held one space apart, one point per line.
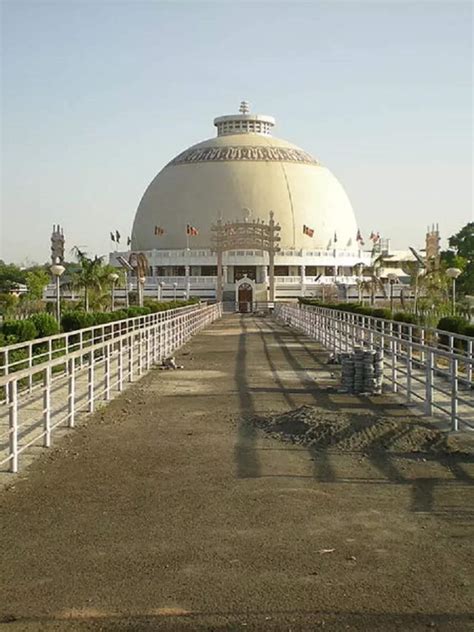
322 429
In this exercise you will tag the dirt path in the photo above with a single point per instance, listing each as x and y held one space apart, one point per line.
170 511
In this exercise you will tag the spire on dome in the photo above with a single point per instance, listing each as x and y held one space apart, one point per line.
244 107
244 122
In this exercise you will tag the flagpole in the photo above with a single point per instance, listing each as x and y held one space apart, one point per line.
187 237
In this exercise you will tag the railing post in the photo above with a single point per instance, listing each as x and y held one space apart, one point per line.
429 383
469 362
409 368
90 383
140 352
12 388
120 366
47 408
107 372
72 393
149 333
131 341
454 394
30 366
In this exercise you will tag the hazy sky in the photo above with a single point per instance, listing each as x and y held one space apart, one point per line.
98 96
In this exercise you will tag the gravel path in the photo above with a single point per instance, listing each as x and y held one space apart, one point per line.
171 510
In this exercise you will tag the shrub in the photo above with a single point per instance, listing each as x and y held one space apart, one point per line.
453 324
382 312
469 331
71 321
46 325
21 330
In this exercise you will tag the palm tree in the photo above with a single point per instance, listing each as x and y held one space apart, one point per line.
90 276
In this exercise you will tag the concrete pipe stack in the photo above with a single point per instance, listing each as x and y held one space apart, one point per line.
362 371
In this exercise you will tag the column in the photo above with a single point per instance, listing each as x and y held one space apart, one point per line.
188 281
225 274
303 279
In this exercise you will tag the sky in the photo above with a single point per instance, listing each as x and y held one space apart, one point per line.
96 97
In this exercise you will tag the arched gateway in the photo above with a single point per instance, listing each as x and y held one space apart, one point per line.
246 235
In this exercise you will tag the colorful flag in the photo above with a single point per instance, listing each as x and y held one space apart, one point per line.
371 236
359 238
375 237
112 236
159 230
335 237
308 231
117 236
191 230
129 241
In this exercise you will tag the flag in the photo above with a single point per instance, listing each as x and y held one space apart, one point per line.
112 236
372 235
129 241
375 237
159 230
335 237
191 230
359 238
117 236
308 231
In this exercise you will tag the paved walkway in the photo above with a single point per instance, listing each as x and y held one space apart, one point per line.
167 511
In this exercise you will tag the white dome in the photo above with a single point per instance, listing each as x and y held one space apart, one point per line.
244 168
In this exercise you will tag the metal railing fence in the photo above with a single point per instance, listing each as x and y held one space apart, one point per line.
429 365
75 370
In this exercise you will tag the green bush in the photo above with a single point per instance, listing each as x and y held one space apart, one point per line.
134 311
453 324
382 312
71 321
469 331
406 317
20 330
46 325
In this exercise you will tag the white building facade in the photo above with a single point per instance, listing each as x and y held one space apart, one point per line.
243 174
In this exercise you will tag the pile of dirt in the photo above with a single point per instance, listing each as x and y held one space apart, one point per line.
322 429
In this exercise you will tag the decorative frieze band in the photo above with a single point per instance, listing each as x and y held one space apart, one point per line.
246 152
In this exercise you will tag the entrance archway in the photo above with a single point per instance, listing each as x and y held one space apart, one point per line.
255 235
245 298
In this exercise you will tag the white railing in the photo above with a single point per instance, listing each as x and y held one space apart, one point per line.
426 365
77 369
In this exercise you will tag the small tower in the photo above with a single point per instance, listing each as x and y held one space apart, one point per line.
244 122
432 248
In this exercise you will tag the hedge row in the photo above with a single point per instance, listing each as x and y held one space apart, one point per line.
456 325
42 324
363 310
453 324
71 321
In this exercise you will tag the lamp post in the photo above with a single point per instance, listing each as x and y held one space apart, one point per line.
160 287
392 279
114 277
359 268
175 285
141 290
56 270
453 274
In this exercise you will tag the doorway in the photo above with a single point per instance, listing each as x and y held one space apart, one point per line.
245 298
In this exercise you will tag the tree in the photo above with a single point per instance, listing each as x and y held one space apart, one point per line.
36 281
10 276
93 278
88 276
461 255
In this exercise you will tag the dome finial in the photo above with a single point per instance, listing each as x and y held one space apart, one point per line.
244 107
